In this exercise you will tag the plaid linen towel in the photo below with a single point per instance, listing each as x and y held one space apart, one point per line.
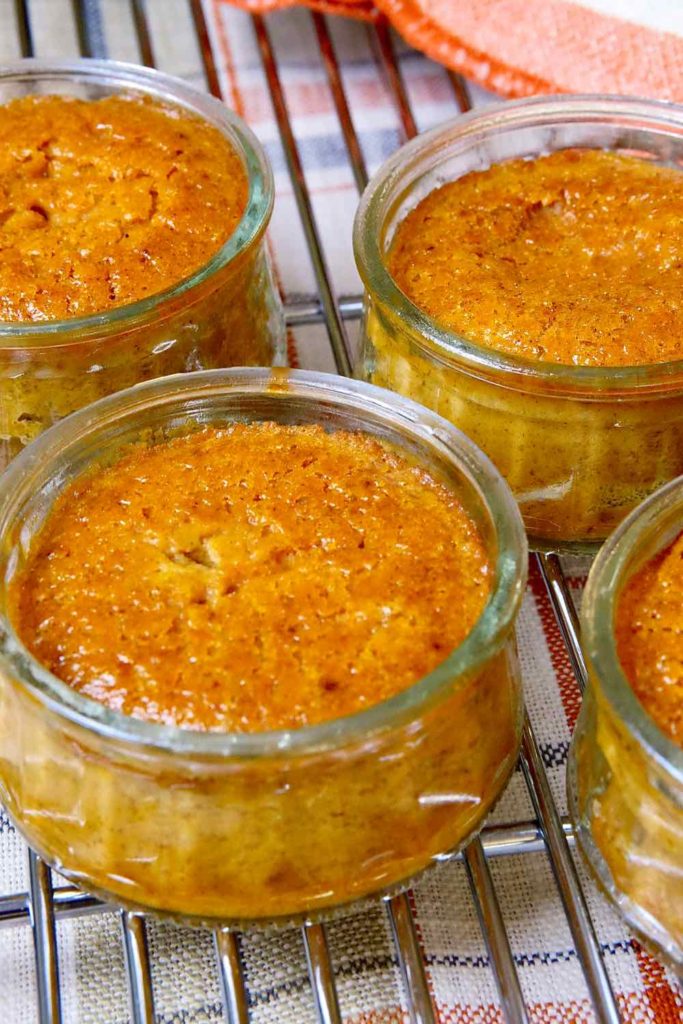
368 979
521 47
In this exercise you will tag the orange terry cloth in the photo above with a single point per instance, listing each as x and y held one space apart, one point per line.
522 47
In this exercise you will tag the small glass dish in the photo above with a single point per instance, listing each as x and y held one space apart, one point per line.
625 776
579 446
255 829
226 313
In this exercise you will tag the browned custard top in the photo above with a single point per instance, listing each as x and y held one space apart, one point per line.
649 630
575 257
252 577
103 202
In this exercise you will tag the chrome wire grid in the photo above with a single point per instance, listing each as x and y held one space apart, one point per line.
42 907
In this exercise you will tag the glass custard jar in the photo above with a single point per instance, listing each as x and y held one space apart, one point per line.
580 446
625 775
227 312
255 828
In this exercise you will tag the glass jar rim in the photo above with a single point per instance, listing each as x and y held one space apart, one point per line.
598 609
487 636
467 129
171 90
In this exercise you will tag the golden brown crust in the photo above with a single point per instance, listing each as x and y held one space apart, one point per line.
649 632
575 257
106 202
253 577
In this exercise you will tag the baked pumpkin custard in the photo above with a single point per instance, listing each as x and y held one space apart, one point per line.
263 653
105 202
535 303
574 257
131 243
649 633
256 577
626 765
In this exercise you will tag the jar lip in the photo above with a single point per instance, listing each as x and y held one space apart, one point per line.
36 464
467 129
171 90
607 576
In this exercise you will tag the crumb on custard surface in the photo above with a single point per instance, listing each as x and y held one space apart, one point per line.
104 202
649 631
575 257
251 577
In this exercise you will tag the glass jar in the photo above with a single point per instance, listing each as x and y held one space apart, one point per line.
256 828
226 313
625 776
579 446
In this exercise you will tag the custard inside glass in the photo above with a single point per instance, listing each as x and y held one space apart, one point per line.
649 635
257 578
575 257
629 803
571 259
643 846
106 203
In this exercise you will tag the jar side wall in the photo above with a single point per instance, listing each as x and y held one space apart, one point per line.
575 467
241 840
629 817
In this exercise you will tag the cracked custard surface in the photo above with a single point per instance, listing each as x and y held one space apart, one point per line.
575 257
108 201
251 577
649 633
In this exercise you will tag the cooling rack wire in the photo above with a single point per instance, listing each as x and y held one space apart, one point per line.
41 907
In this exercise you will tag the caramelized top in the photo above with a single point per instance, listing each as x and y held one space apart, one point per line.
649 631
105 202
250 578
575 257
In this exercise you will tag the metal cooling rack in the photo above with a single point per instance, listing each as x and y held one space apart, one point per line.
41 907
